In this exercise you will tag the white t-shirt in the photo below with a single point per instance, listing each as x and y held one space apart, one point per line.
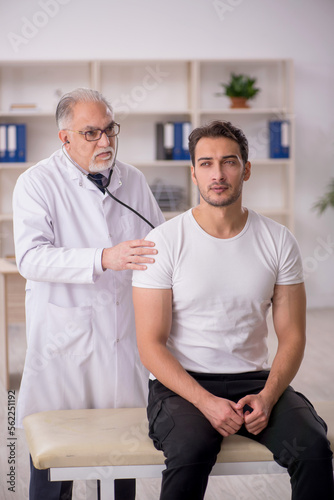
222 289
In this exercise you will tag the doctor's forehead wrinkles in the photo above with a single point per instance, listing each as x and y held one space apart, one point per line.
95 127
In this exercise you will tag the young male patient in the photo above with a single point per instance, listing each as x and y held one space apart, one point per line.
201 330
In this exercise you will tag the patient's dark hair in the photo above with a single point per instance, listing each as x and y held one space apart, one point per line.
216 129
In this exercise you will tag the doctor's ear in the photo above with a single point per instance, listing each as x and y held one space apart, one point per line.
63 137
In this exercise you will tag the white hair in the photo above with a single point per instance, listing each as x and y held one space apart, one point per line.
64 112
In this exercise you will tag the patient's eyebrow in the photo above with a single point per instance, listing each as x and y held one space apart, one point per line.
223 157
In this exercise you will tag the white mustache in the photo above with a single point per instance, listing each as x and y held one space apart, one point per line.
104 150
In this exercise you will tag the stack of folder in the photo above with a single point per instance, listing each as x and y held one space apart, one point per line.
172 140
12 142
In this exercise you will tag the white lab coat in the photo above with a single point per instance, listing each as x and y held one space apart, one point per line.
80 321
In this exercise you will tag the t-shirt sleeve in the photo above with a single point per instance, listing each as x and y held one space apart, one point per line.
159 274
290 269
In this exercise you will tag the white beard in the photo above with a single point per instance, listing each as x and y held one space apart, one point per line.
101 165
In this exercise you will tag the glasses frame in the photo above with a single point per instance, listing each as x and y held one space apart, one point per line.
82 132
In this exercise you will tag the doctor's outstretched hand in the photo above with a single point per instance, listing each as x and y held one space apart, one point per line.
133 254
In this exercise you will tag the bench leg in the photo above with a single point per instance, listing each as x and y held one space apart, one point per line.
91 489
107 489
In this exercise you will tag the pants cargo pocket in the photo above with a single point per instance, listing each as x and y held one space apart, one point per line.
160 422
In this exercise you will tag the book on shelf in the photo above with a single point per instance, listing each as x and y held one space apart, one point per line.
279 139
12 142
172 140
23 108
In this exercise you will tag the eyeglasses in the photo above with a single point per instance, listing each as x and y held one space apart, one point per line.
96 133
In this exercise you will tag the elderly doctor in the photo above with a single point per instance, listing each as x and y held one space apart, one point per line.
77 242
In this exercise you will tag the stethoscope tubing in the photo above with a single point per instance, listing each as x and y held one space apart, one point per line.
108 182
130 208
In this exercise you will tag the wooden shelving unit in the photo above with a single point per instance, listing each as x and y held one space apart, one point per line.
143 93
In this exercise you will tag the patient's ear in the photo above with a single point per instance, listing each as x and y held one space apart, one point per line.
193 175
247 172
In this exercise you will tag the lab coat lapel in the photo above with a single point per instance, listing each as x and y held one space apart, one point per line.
116 179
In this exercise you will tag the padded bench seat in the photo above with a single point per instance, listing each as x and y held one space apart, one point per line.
114 443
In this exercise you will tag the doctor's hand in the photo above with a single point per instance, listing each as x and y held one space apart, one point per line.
132 254
224 415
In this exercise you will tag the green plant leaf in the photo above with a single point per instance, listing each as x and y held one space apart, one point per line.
240 86
326 201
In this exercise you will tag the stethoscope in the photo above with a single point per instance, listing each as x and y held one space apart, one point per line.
108 181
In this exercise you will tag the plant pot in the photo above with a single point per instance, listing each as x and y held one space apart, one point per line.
239 102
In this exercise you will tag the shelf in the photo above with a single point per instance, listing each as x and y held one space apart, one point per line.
244 111
159 113
146 92
6 217
272 212
40 83
8 266
270 161
273 77
141 164
162 163
170 215
27 114
16 165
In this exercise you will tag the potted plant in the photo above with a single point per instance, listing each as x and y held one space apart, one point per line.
240 89
327 200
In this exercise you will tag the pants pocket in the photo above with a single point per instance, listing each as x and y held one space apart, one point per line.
160 422
313 411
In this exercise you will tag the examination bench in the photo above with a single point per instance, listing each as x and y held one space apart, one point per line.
114 443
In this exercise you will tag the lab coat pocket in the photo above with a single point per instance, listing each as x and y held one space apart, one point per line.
69 330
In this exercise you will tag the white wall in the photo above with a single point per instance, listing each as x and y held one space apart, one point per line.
160 29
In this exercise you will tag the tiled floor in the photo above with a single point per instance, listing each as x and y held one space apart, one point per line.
315 379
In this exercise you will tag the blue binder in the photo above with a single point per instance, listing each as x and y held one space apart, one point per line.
178 141
3 142
279 139
181 133
186 129
13 142
21 143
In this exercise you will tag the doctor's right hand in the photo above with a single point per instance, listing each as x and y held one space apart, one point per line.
133 254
